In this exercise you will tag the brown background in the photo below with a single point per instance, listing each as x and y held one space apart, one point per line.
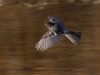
21 26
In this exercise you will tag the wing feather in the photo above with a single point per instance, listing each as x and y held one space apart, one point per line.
48 41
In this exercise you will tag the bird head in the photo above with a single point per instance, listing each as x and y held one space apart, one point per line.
49 24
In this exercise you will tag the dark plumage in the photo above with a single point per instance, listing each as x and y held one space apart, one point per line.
55 34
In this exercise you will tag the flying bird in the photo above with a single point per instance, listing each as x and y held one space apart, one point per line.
55 34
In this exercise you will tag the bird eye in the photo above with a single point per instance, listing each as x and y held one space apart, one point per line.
51 24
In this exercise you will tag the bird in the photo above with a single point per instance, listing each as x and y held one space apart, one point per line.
55 34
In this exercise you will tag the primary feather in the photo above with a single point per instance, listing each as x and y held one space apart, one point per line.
48 40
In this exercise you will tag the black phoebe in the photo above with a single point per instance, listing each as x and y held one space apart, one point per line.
55 34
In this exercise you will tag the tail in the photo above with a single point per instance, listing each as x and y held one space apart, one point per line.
73 36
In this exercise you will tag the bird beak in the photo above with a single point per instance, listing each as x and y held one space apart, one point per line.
45 23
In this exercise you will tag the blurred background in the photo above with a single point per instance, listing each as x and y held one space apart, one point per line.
22 25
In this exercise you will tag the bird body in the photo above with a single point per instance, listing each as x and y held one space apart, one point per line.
55 34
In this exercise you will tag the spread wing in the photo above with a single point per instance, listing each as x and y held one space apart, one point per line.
48 40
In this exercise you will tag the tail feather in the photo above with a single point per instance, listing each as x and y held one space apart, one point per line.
73 36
